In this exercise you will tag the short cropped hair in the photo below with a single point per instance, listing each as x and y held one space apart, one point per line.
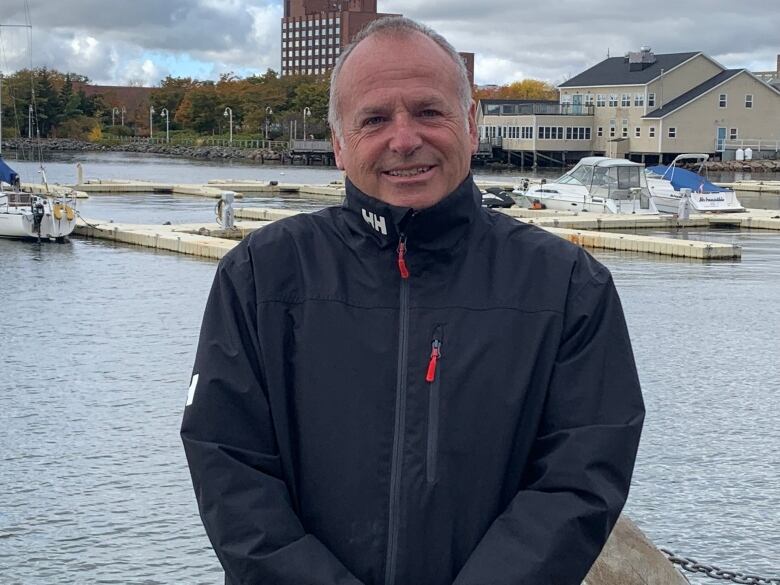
389 26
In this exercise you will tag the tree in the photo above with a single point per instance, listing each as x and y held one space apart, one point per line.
526 89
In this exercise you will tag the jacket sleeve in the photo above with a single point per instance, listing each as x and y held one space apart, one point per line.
583 455
232 453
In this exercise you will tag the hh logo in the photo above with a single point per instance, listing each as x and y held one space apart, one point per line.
378 223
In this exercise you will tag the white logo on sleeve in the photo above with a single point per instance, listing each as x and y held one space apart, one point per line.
375 221
193 386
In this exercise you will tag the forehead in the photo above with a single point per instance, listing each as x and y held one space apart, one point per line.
409 66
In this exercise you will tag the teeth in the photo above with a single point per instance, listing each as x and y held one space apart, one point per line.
409 172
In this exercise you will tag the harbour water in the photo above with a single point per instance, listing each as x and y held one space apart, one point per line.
97 346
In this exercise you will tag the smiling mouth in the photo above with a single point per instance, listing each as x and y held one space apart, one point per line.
408 172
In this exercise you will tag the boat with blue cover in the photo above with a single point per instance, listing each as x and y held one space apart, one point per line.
669 184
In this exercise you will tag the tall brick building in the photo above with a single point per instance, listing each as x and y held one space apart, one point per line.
315 31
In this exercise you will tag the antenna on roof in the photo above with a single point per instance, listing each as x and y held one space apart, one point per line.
607 52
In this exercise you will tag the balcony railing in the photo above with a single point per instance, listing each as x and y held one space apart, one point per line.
542 110
755 144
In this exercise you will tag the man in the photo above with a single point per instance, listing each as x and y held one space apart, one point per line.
410 390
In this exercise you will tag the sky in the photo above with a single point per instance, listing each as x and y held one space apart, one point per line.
139 42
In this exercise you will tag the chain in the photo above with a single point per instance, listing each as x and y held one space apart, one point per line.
714 572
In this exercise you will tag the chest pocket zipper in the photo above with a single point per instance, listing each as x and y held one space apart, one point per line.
433 377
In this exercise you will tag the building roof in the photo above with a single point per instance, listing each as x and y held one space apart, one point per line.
694 93
616 71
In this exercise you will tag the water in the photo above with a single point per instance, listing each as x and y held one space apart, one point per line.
97 346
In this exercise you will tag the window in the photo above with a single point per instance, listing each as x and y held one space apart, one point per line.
612 125
650 100
600 131
624 128
651 132
589 99
638 132
625 100
749 100
733 133
527 133
672 132
639 99
722 100
613 100
601 100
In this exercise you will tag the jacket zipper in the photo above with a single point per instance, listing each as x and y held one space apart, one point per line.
433 405
400 417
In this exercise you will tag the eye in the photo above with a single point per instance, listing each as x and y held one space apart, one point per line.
373 121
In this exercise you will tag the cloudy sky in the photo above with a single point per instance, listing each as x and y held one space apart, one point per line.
142 41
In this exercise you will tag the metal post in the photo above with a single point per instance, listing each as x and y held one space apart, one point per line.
29 120
151 122
123 111
229 114
306 112
164 114
268 112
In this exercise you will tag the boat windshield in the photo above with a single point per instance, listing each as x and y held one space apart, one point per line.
621 182
579 175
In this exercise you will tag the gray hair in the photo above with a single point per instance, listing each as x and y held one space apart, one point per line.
389 26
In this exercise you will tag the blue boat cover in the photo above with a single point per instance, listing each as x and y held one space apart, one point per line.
683 179
7 174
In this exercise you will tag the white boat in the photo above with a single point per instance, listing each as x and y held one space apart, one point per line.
667 185
596 184
26 215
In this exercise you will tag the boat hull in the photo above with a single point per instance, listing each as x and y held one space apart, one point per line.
57 220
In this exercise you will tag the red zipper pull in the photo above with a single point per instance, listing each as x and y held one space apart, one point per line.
430 376
402 268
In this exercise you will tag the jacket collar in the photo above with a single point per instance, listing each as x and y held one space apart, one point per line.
436 227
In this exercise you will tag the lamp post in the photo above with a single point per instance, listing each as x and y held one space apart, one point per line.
151 121
306 112
268 112
164 114
114 111
123 111
229 114
29 120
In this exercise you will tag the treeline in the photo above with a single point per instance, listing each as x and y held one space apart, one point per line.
260 105
46 102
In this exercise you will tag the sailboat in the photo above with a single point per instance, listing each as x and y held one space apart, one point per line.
24 214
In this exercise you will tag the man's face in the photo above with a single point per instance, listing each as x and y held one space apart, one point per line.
405 138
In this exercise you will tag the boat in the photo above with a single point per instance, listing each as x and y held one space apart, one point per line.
24 214
596 184
27 215
668 183
495 197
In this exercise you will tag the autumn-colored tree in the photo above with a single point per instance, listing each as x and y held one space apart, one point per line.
526 89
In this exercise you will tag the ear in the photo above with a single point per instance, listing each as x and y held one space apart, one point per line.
336 150
473 134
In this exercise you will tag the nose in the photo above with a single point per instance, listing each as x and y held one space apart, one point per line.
405 135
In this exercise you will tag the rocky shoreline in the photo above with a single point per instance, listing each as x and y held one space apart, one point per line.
198 152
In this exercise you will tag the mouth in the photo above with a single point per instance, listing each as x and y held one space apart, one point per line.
409 173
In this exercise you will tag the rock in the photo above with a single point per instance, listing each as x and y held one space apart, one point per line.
629 558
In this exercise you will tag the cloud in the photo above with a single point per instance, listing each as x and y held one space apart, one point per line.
111 41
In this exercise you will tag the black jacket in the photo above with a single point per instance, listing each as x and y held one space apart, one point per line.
475 423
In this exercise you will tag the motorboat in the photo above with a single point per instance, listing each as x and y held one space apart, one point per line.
668 185
28 215
596 184
496 197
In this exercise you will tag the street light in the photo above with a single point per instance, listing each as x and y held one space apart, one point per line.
114 111
123 111
229 114
268 112
151 121
306 112
164 114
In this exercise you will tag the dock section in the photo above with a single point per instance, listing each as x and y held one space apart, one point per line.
204 240
753 186
596 237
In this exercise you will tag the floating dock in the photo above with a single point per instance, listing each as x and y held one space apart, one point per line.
753 186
